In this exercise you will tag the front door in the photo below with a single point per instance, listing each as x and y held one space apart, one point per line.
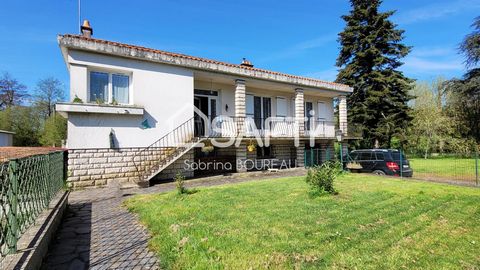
261 109
208 106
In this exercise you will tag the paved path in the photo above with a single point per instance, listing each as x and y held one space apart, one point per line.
98 233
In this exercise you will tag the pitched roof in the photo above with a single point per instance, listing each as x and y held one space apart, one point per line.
80 42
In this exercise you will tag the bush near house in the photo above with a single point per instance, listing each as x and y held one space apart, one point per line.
374 223
321 178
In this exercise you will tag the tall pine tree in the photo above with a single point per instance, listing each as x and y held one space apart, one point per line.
369 59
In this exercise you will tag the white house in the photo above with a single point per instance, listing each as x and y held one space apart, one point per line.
132 118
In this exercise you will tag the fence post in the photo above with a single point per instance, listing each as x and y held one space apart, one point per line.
401 163
476 167
12 197
341 154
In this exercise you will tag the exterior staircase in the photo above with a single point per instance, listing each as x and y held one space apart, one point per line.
155 158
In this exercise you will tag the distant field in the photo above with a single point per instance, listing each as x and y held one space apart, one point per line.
457 169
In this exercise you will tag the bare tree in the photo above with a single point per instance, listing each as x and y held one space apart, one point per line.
12 92
48 92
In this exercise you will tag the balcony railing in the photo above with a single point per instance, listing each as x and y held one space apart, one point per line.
276 127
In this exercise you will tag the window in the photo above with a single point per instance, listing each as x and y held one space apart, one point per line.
322 111
98 87
109 88
365 156
396 156
281 107
264 152
380 156
258 108
250 111
120 88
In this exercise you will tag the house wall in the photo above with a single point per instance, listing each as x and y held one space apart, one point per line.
165 92
6 139
99 167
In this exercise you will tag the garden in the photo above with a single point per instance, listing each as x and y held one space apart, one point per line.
369 222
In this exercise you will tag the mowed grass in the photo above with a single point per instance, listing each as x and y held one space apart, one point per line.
459 169
374 223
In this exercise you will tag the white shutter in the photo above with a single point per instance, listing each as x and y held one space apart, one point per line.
250 111
322 110
281 107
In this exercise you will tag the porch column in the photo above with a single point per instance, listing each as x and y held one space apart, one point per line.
240 114
300 111
240 109
301 155
342 114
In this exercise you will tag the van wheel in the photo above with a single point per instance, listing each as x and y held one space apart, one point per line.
379 172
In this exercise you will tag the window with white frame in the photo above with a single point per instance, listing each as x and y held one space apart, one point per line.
281 107
109 87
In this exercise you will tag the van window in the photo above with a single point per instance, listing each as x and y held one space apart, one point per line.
365 156
396 156
380 156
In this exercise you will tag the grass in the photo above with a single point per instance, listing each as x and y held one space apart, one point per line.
374 223
459 169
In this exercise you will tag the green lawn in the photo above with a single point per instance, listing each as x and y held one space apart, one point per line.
374 223
444 169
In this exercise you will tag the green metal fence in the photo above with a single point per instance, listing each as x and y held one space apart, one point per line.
461 168
27 186
315 157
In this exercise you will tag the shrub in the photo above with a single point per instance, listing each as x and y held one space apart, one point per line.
180 183
321 178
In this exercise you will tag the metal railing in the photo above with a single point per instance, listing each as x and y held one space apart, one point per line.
150 159
27 185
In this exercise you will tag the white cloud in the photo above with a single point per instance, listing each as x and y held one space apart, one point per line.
299 48
437 10
433 51
326 75
422 66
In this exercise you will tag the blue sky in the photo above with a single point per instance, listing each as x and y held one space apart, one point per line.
297 37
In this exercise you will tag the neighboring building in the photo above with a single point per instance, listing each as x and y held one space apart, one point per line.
134 120
6 138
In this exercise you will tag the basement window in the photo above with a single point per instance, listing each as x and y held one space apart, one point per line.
264 152
111 88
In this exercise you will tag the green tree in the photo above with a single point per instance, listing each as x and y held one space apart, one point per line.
48 92
371 50
464 94
6 119
54 131
470 46
431 128
27 126
12 92
464 104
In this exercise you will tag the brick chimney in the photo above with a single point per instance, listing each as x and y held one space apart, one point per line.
246 63
86 29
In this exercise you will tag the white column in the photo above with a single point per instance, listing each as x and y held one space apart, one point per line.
342 114
300 111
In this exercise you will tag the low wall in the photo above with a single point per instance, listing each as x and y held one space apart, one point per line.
99 167
33 245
